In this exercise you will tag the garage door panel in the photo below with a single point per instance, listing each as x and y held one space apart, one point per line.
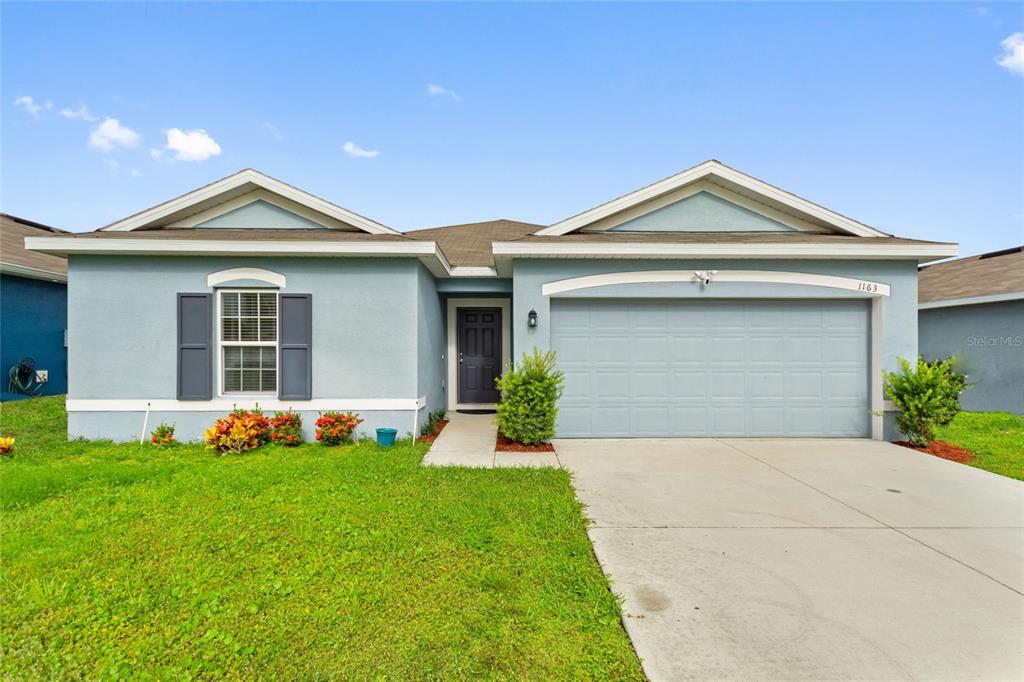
712 368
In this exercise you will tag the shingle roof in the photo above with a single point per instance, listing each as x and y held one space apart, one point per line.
998 272
12 245
469 244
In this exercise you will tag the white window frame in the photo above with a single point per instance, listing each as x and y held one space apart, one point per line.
221 393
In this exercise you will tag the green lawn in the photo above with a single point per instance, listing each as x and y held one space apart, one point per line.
995 438
130 561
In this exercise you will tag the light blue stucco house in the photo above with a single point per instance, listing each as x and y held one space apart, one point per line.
973 308
33 313
709 303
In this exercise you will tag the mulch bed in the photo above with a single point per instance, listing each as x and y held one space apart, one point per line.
505 445
942 449
430 438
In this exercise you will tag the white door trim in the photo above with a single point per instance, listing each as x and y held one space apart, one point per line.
454 304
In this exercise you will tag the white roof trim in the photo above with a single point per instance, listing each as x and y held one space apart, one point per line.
252 197
32 273
972 300
427 252
699 172
866 249
248 176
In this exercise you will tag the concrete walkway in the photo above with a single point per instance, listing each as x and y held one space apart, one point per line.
743 559
468 441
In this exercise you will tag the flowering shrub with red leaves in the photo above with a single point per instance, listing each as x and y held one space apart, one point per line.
335 428
162 435
240 431
286 428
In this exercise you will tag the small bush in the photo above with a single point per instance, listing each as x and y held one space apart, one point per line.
433 420
286 428
927 396
240 431
163 435
529 392
7 446
335 428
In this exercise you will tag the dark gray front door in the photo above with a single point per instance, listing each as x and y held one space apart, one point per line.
479 335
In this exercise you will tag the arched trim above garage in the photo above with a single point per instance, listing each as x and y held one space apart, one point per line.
696 278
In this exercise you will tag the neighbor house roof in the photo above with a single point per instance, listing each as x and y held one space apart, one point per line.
15 260
469 244
990 277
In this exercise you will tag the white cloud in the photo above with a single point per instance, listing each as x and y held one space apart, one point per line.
190 145
1013 54
352 149
272 130
111 134
136 173
435 90
30 105
81 112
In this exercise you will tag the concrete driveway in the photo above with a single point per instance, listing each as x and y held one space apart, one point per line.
806 559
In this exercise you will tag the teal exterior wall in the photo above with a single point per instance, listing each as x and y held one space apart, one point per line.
431 343
33 317
123 329
261 214
988 341
899 310
702 212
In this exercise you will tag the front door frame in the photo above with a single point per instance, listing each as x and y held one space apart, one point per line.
452 384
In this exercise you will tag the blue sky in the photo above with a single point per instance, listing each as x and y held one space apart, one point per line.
895 114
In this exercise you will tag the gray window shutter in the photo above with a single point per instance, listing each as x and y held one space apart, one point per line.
295 338
195 346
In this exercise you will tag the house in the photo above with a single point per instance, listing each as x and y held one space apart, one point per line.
33 311
973 308
709 303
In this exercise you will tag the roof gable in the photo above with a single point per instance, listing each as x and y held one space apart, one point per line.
702 212
715 177
242 188
260 214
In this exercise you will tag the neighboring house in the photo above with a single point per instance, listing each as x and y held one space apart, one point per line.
707 304
973 308
33 307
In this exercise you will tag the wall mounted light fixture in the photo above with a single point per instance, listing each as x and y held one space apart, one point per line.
531 319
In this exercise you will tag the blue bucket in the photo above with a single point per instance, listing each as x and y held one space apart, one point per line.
386 437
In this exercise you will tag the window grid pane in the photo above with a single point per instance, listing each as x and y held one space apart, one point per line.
249 318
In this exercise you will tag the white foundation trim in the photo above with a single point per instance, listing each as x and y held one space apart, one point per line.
453 354
259 274
228 404
687 276
972 300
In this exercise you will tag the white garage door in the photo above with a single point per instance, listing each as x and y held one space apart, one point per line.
712 368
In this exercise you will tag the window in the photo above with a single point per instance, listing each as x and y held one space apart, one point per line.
248 341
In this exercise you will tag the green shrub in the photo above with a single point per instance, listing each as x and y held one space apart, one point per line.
927 396
529 392
429 427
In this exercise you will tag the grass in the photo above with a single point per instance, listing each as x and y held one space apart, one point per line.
354 562
995 438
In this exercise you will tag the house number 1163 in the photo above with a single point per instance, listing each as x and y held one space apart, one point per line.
869 287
